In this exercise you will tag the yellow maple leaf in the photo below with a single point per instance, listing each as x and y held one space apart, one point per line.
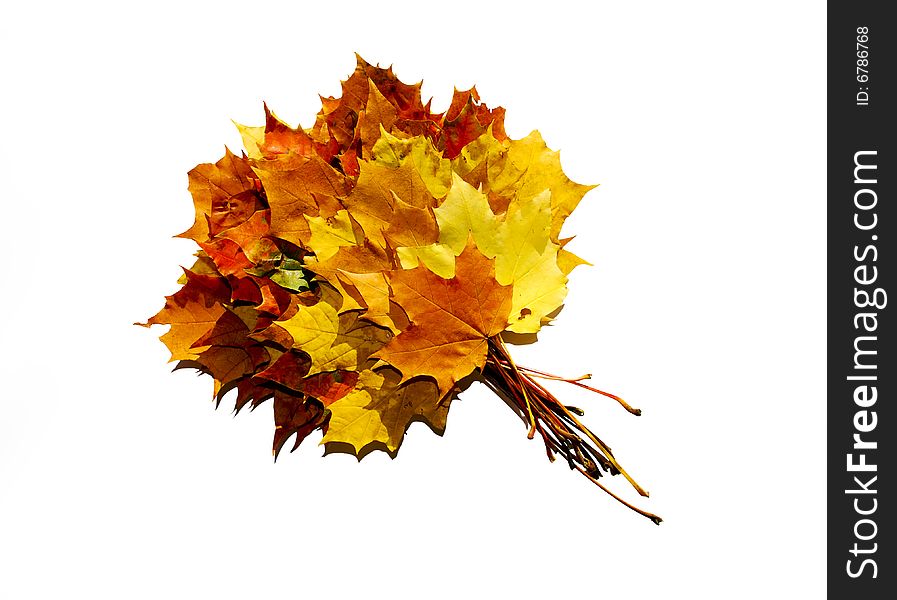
567 261
328 235
528 260
439 258
521 169
380 409
465 212
418 152
333 341
253 138
528 168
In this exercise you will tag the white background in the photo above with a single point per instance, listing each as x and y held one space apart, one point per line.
704 125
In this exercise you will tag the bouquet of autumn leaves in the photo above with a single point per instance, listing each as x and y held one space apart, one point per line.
360 272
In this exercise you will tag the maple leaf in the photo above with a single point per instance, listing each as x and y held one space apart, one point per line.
192 311
528 260
461 130
294 414
330 234
380 409
249 393
224 195
230 354
357 271
227 255
291 183
451 319
291 369
567 261
434 170
286 272
437 257
470 99
365 258
333 341
280 138
411 226
379 114
526 169
251 236
374 292
380 189
464 213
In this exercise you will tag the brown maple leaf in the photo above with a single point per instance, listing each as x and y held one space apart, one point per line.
191 312
224 195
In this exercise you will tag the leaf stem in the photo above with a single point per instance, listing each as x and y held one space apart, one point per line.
577 382
657 520
516 371
558 425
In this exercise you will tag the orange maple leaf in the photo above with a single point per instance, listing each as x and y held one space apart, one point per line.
451 319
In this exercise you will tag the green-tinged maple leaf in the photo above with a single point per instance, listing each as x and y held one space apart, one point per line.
290 275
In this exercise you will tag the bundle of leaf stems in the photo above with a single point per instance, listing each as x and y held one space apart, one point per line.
557 423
